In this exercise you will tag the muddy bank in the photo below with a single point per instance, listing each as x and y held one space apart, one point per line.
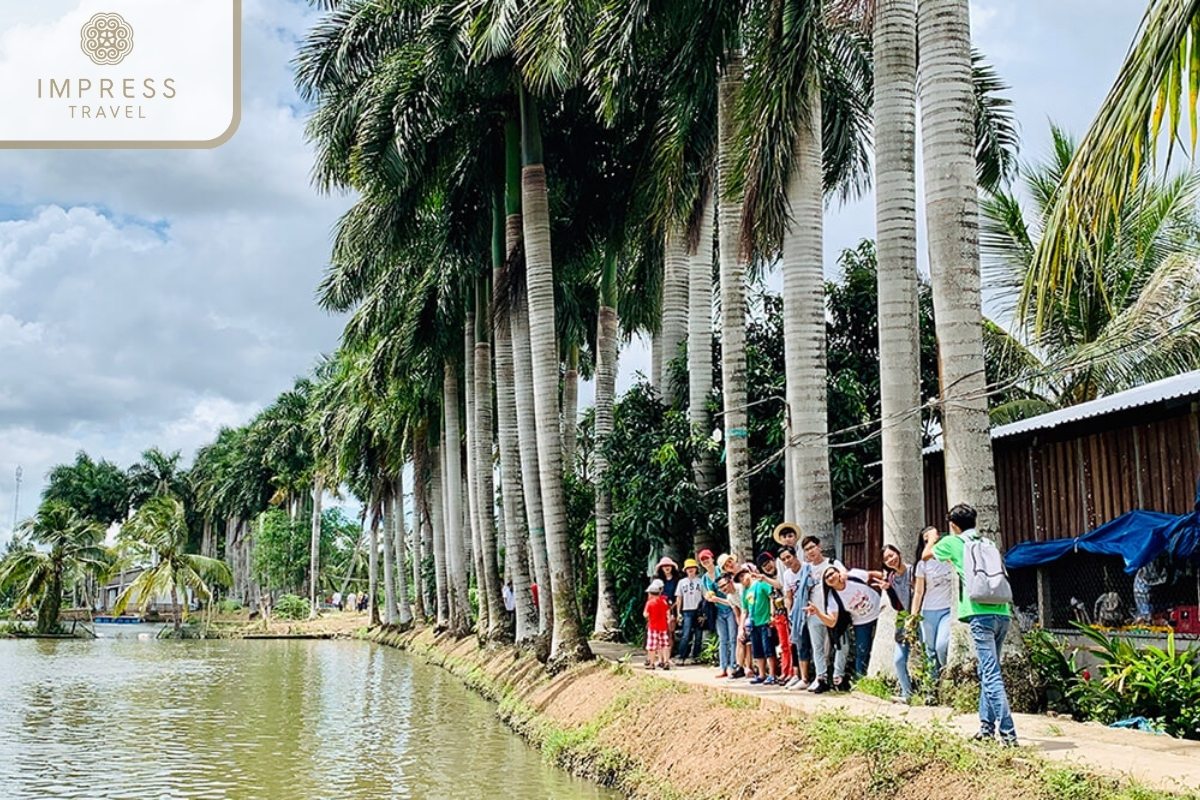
653 738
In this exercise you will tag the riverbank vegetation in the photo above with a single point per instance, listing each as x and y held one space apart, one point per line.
593 720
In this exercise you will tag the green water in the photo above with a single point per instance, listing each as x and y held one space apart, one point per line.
145 719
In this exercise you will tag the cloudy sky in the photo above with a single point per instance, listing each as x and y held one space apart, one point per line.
148 298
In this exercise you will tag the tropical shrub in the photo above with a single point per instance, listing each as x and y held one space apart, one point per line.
1162 685
289 606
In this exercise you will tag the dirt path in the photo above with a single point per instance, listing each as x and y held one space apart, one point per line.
1156 761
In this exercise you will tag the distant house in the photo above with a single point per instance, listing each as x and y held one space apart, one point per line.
159 604
1061 474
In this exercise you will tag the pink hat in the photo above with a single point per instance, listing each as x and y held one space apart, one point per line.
666 561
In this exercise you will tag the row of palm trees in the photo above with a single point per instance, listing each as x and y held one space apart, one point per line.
529 173
536 180
657 120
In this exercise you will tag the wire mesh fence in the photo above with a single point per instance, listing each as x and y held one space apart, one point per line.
1095 590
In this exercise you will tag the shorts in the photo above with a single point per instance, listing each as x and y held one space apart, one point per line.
657 640
803 644
760 642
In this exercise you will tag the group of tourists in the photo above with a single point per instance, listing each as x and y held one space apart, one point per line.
788 617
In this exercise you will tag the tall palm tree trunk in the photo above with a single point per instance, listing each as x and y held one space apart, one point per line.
804 329
607 623
456 551
568 642
516 530
399 549
674 308
656 356
952 215
733 316
389 555
570 407
899 316
314 556
531 484
700 356
373 561
489 578
426 471
471 475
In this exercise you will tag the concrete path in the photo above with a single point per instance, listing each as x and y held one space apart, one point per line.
1157 761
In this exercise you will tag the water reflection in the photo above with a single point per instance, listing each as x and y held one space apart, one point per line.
132 718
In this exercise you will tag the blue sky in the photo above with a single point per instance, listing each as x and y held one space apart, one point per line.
147 298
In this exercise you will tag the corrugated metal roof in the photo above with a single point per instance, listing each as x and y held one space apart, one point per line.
1185 385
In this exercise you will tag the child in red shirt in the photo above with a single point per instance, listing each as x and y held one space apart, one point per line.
658 639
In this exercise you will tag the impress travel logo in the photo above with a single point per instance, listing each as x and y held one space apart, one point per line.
119 73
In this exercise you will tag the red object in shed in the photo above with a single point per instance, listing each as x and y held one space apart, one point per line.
1186 619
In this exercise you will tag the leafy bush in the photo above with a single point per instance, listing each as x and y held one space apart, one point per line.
228 607
289 606
1054 674
1161 685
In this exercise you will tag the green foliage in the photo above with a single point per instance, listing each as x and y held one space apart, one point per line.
883 687
1055 672
655 500
281 555
1124 315
228 607
580 499
852 333
890 747
281 550
289 606
99 490
1162 685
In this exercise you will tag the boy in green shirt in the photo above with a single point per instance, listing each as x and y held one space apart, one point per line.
758 606
988 623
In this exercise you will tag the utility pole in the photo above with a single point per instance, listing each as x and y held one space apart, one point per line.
17 500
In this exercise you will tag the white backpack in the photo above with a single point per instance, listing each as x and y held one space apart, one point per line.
985 580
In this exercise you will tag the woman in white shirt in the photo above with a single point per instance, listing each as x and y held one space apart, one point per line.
933 588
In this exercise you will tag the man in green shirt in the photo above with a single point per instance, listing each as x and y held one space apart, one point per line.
988 623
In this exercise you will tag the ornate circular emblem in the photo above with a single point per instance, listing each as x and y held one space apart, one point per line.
106 39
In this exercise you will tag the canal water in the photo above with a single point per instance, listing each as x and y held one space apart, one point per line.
146 719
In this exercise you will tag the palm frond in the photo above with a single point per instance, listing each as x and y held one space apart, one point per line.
1122 138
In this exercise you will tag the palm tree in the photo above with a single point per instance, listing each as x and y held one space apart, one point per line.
99 490
700 348
1127 315
156 474
733 309
1122 139
75 549
948 106
895 104
158 532
607 621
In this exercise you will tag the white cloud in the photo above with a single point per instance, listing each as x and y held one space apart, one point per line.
147 298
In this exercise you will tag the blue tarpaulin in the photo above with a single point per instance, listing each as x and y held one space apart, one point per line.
1137 536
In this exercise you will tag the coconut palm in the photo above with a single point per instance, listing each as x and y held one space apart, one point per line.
1121 142
158 533
74 549
1128 314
